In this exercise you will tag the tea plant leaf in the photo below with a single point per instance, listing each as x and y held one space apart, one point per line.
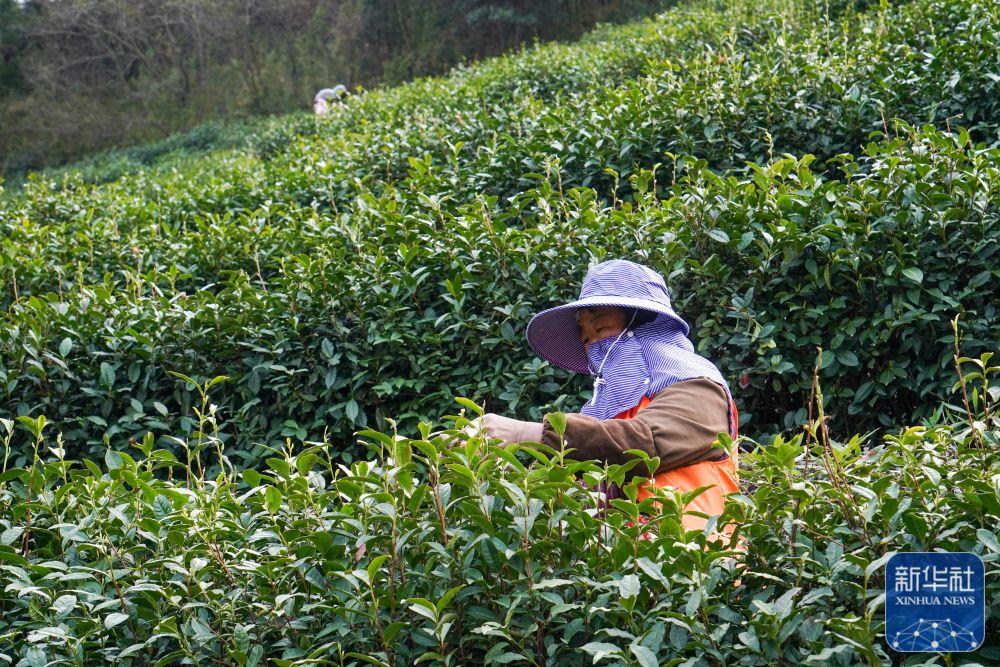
35 657
447 598
107 375
601 650
988 539
878 563
645 657
628 586
718 235
64 604
8 536
694 601
558 422
423 607
652 570
34 425
117 618
469 405
273 498
131 650
113 460
351 409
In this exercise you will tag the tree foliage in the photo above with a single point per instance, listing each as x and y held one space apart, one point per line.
91 74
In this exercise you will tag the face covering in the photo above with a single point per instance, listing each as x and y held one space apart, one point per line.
641 362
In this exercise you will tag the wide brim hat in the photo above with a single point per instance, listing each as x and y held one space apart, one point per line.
554 333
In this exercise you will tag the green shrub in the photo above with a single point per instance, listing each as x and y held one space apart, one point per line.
113 164
392 309
317 277
449 549
761 85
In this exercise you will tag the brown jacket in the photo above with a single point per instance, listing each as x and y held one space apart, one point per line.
678 425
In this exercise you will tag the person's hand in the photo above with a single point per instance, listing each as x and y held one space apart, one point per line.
509 430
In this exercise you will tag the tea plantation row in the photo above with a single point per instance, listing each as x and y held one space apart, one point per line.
237 318
448 549
400 305
610 53
768 83
351 274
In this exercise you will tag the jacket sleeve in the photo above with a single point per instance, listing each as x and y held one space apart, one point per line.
678 425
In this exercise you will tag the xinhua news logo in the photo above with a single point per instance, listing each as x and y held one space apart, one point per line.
935 602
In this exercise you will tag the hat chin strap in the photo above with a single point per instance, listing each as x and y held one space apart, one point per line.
598 378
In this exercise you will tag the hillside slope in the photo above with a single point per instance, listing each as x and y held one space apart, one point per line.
190 356
377 263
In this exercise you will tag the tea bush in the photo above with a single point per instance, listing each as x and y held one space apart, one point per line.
447 548
394 308
711 97
113 164
806 175
612 52
341 271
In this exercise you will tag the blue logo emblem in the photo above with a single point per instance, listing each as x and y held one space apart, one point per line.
935 602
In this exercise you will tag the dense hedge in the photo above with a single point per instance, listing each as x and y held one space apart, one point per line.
611 52
238 318
713 84
776 84
380 262
451 550
399 306
110 165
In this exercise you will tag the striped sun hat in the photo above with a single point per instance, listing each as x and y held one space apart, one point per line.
554 333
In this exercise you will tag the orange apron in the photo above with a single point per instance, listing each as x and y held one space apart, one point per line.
721 476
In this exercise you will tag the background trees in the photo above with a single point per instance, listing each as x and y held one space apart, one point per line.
81 75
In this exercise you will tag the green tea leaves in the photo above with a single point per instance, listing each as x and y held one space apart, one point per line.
272 497
112 620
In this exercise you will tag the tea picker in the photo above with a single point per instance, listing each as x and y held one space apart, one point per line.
322 100
652 391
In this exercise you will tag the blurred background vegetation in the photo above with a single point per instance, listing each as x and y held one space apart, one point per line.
78 76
